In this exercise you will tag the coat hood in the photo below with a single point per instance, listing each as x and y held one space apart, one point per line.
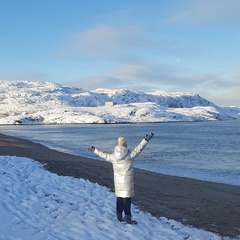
120 152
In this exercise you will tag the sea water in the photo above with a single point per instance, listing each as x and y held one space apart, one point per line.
201 150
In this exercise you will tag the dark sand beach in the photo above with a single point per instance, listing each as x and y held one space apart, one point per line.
210 206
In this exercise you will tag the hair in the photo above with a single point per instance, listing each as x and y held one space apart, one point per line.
122 142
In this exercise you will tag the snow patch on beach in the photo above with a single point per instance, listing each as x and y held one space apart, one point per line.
24 102
36 204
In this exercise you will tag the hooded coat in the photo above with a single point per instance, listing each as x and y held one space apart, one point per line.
122 160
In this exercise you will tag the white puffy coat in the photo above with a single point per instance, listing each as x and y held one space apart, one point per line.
122 161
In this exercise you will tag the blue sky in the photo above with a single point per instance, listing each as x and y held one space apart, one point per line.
178 45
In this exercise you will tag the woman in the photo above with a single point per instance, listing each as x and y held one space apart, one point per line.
122 161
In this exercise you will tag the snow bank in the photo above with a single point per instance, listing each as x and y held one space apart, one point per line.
39 205
23 102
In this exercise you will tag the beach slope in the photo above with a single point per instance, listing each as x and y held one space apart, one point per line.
210 206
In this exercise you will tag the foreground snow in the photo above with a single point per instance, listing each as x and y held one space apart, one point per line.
36 204
23 102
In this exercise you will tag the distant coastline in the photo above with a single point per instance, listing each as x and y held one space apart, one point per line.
50 103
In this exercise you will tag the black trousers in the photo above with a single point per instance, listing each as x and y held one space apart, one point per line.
124 204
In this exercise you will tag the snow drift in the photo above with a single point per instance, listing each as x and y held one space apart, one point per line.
36 204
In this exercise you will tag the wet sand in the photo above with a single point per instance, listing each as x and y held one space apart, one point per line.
210 206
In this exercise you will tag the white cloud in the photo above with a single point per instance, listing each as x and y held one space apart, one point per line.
98 40
220 89
159 75
143 71
93 82
104 42
207 12
231 96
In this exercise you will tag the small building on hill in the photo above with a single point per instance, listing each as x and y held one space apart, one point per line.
110 104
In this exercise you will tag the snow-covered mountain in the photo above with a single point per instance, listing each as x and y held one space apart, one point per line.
24 102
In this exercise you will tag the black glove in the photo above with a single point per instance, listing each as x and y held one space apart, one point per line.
91 149
149 136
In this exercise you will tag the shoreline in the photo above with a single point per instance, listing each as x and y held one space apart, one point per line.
211 206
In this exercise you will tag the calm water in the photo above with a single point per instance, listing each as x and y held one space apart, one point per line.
203 150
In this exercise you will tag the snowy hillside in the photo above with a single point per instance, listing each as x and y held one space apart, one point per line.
36 204
23 102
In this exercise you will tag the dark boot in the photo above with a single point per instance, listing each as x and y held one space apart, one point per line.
119 217
128 219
